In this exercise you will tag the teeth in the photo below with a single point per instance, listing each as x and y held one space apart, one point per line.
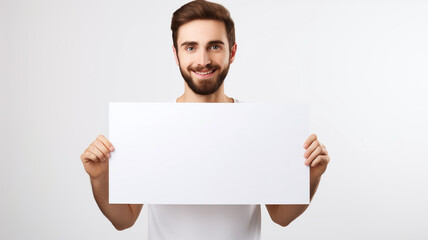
204 73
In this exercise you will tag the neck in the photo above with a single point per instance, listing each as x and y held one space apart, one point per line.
217 97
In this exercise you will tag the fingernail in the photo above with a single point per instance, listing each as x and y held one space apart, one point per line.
111 148
108 155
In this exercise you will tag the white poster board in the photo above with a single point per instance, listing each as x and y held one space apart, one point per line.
208 153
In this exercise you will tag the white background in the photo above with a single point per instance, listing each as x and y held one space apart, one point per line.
361 65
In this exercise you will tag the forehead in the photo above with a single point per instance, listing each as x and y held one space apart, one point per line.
202 31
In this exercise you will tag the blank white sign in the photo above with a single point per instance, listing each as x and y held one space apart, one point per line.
208 153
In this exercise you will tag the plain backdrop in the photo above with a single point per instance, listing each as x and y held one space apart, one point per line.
361 65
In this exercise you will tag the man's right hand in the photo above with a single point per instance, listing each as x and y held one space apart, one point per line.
95 158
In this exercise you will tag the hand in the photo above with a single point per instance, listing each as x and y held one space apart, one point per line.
95 157
316 156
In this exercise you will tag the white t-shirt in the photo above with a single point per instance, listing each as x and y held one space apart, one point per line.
204 222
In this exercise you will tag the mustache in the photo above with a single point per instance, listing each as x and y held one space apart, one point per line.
200 68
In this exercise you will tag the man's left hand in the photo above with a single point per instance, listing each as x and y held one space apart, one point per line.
316 156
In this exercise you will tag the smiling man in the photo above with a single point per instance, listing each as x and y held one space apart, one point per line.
204 46
202 51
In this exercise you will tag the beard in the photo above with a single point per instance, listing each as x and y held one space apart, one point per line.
206 86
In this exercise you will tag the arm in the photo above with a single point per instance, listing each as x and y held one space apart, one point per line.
122 216
95 160
285 214
317 157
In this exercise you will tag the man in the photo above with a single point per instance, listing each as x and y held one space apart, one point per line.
204 47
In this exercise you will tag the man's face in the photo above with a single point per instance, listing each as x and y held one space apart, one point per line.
203 55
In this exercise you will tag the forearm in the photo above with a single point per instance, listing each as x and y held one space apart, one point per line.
285 214
120 215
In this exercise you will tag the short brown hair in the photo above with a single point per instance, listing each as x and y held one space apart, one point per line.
200 9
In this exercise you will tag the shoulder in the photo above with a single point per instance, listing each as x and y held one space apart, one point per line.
235 100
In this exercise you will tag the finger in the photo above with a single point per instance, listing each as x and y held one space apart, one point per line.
324 150
106 142
96 151
310 139
321 159
88 156
101 147
314 154
311 148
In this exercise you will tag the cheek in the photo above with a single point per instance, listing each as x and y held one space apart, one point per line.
220 59
185 60
226 58
226 61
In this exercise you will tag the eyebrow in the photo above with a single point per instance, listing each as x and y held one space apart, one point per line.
216 42
209 43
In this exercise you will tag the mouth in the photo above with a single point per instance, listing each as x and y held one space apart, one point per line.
204 74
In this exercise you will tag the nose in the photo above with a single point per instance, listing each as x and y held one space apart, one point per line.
204 58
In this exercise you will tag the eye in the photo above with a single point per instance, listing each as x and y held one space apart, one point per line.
190 48
215 47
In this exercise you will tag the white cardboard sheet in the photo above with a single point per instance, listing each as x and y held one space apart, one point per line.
208 153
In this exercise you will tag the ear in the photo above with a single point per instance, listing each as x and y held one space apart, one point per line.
233 52
175 55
